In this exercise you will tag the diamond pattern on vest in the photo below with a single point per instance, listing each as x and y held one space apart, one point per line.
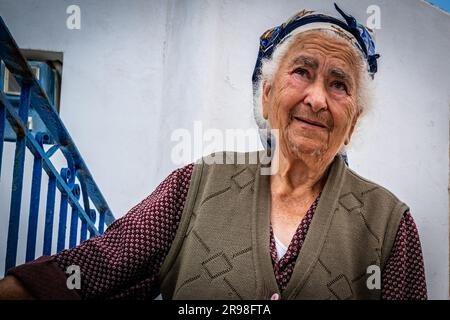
233 289
370 230
243 251
186 282
340 287
244 178
203 244
215 194
324 267
350 202
217 265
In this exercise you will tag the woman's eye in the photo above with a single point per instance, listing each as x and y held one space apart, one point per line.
302 72
339 86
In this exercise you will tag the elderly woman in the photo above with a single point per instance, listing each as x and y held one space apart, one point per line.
313 229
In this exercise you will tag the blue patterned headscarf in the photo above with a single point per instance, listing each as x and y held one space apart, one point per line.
349 28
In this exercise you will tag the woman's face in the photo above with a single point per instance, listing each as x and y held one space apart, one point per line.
312 98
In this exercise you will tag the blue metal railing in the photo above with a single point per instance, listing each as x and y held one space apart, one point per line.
32 96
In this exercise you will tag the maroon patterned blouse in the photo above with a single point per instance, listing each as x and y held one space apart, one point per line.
126 260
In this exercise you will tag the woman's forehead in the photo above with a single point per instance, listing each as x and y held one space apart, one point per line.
315 49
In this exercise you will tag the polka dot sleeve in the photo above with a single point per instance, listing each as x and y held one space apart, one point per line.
403 277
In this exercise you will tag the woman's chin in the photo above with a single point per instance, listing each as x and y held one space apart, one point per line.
302 149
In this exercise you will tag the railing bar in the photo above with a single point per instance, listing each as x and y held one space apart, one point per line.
34 209
62 223
93 216
84 192
52 151
83 232
73 228
49 215
101 223
16 197
2 134
16 122
2 71
17 184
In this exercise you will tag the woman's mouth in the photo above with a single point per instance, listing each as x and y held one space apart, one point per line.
310 122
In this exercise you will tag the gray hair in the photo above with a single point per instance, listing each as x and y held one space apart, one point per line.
269 67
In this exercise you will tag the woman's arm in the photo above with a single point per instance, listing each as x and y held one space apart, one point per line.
122 263
403 277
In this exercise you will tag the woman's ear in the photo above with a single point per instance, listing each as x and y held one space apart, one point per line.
265 99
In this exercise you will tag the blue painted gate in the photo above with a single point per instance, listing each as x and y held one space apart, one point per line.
78 190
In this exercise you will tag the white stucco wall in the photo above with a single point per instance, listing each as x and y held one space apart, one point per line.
137 70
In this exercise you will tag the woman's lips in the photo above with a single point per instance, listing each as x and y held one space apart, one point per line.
311 122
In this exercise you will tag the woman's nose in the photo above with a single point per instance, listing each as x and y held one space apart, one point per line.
316 96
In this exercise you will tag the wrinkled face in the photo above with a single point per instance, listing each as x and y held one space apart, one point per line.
312 98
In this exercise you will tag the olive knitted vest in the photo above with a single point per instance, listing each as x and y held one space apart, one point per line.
222 246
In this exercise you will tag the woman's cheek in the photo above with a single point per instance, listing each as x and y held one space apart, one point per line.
345 110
